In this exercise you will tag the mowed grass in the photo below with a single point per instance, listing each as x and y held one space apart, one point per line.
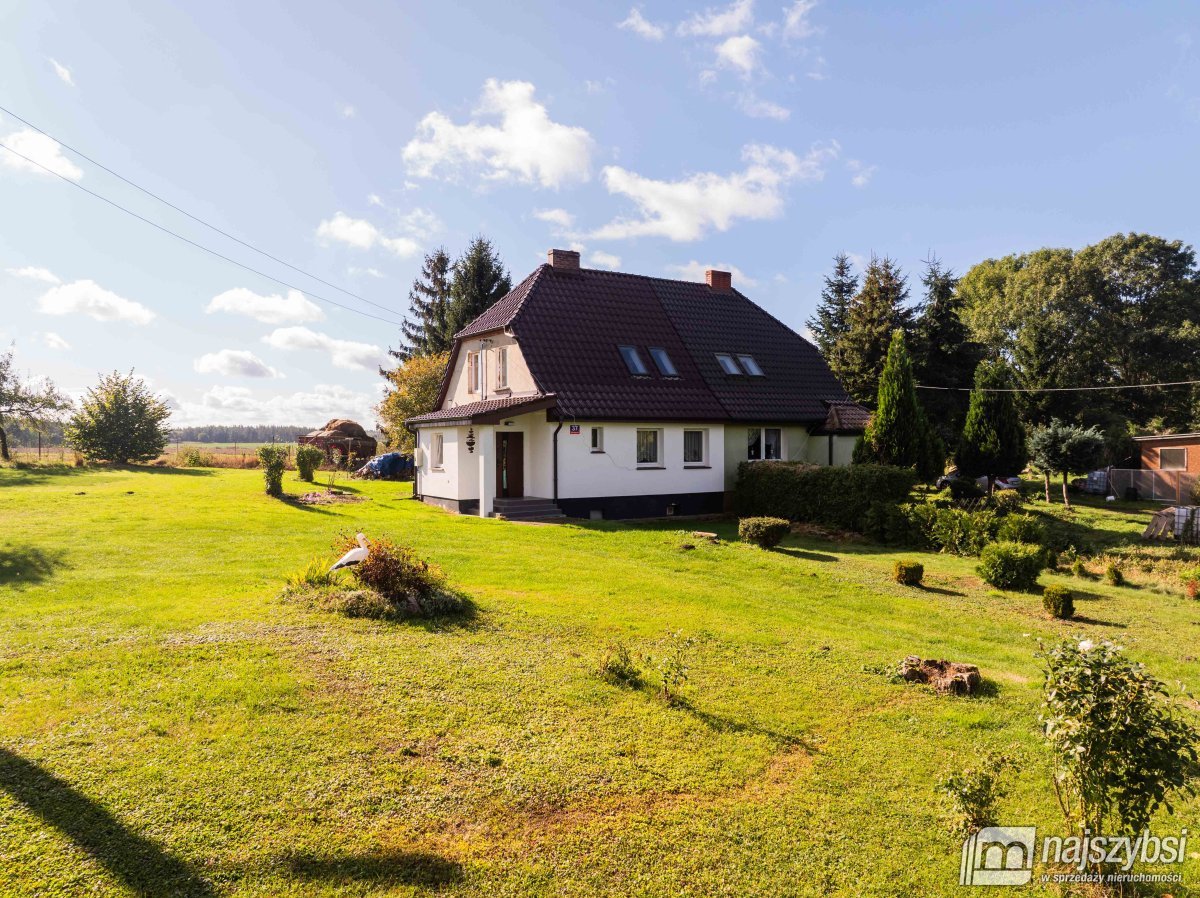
169 726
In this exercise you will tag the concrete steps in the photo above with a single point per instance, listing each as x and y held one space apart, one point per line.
527 508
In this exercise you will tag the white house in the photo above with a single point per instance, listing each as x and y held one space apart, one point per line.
600 394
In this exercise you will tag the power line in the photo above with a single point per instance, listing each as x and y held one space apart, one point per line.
197 219
1173 383
199 246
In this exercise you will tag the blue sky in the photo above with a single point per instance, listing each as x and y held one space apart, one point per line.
348 139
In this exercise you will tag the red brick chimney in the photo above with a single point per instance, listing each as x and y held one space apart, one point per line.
719 280
563 259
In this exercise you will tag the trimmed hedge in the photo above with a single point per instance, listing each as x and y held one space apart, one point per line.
908 573
1059 602
1008 565
835 496
763 532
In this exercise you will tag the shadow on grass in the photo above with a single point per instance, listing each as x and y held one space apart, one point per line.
939 590
410 868
140 864
1096 622
723 723
466 618
28 565
806 554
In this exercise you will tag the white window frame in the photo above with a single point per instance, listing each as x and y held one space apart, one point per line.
1162 465
473 372
658 447
703 462
437 451
597 438
750 365
502 368
762 443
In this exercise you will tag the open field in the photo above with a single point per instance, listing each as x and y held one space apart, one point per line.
169 726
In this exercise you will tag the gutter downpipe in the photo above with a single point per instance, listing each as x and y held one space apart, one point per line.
416 471
558 415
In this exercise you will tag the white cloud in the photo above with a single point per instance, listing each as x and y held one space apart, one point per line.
43 150
718 22
601 259
269 309
742 53
373 272
90 299
560 218
234 363
861 173
756 107
343 353
241 405
599 87
526 146
687 209
33 273
796 25
54 341
695 271
374 199
421 223
348 111
62 71
361 234
639 25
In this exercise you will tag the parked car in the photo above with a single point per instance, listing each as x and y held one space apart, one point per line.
342 440
1007 482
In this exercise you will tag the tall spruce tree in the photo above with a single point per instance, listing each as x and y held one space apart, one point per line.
833 311
993 440
943 353
877 309
427 330
478 281
899 432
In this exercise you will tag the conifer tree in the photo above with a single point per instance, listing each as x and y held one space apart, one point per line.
832 318
943 353
877 309
899 432
478 281
993 440
427 331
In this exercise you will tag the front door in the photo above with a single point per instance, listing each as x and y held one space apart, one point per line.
510 465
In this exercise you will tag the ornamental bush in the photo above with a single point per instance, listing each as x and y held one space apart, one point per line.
1059 602
308 459
1021 528
1007 501
819 494
1114 575
908 573
273 460
763 532
1009 565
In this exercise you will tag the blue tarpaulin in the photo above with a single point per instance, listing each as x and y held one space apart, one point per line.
391 465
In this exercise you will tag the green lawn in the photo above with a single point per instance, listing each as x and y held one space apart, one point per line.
169 726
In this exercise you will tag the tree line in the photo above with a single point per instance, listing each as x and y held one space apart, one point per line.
239 433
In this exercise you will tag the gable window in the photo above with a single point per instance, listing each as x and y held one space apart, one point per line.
750 365
597 439
764 443
695 448
728 365
1173 458
633 361
502 368
649 448
438 452
472 372
663 362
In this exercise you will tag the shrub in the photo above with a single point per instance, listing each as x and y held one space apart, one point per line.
1078 569
1059 602
1007 501
308 459
194 458
1191 583
819 494
1008 565
618 667
1120 746
273 460
316 573
120 420
763 532
962 489
973 793
393 570
963 532
673 665
1114 575
908 573
1021 528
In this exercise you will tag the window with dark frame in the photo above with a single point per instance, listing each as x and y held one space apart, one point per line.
750 365
597 439
633 361
663 362
728 365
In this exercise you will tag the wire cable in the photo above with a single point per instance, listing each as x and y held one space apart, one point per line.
1173 383
197 219
199 246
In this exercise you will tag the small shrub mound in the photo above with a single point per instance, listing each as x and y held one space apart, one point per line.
972 794
763 532
1021 528
273 460
1007 501
1114 575
908 573
308 459
1009 565
619 668
1059 602
1078 568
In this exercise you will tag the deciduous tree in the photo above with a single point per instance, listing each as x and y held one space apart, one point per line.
25 402
413 390
120 420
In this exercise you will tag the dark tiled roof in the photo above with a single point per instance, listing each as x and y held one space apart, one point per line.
474 411
846 417
569 324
